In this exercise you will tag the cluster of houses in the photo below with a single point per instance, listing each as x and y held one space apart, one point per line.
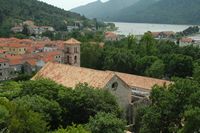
193 40
170 35
32 29
60 62
163 35
27 56
111 36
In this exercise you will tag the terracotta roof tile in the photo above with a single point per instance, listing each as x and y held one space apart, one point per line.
16 62
72 41
140 81
32 62
186 40
70 76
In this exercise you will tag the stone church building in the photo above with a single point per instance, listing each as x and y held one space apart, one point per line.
127 88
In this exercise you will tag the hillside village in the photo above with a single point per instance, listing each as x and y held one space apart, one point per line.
61 72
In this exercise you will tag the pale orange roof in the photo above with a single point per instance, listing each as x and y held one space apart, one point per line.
72 41
3 60
110 34
70 76
140 81
15 45
16 62
186 40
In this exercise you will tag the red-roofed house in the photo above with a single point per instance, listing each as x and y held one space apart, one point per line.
185 41
110 36
15 48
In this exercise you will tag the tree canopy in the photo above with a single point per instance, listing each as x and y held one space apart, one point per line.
43 106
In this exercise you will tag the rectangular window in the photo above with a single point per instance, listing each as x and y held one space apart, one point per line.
67 50
75 50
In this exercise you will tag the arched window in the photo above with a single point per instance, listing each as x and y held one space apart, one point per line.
75 59
114 86
67 59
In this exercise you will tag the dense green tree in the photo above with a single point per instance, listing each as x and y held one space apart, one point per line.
143 64
192 120
10 89
148 43
84 101
73 129
106 123
121 60
91 56
49 109
41 87
19 119
179 65
156 70
171 107
132 42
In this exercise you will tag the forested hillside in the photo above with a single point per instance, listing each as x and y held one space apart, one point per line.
162 11
102 10
16 11
145 11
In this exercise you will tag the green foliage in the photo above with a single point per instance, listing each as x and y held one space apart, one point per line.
17 11
23 121
143 64
189 31
43 106
173 109
10 89
148 57
121 60
192 120
18 119
50 109
73 129
85 101
90 55
156 70
43 87
179 65
160 11
106 123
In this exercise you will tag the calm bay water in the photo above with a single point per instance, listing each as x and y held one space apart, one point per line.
141 28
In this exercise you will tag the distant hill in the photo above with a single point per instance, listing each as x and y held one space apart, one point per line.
102 10
16 11
150 11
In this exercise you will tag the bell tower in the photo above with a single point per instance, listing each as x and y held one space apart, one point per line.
72 52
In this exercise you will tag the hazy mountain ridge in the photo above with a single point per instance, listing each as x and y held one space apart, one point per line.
149 11
103 10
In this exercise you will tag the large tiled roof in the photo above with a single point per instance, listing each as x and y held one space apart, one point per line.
70 76
140 81
72 41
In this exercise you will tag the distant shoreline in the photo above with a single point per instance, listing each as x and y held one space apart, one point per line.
127 28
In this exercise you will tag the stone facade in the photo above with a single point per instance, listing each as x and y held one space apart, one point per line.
72 52
4 70
121 91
